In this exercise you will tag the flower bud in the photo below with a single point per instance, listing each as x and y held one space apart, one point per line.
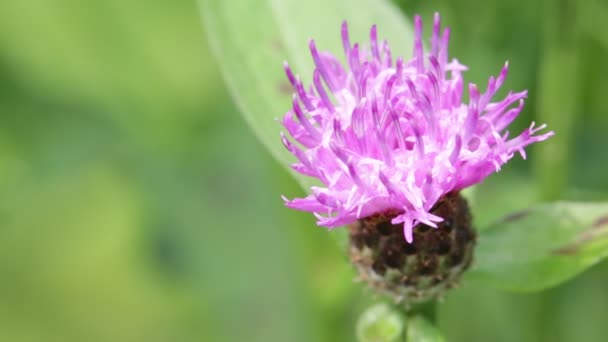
421 270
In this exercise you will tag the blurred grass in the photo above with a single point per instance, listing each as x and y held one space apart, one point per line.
135 205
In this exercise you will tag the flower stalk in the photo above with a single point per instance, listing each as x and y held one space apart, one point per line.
558 99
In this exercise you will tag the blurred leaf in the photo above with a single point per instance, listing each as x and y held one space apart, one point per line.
595 23
252 38
543 246
421 330
380 323
140 58
72 268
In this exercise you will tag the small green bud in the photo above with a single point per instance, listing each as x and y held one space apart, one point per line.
380 323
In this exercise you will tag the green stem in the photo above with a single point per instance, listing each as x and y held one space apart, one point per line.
558 95
428 310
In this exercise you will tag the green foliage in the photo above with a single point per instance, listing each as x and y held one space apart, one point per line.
380 323
420 329
542 246
278 31
135 205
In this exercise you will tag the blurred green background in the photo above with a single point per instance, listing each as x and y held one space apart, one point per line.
135 204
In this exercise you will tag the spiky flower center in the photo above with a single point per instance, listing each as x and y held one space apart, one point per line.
420 270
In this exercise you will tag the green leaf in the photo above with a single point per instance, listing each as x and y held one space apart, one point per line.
421 330
543 246
380 323
252 38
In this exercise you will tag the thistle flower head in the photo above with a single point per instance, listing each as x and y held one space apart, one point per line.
384 134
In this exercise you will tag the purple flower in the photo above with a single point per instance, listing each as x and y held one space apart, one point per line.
384 135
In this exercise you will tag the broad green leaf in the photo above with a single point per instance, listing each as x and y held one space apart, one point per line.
543 246
380 323
498 196
252 38
421 330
